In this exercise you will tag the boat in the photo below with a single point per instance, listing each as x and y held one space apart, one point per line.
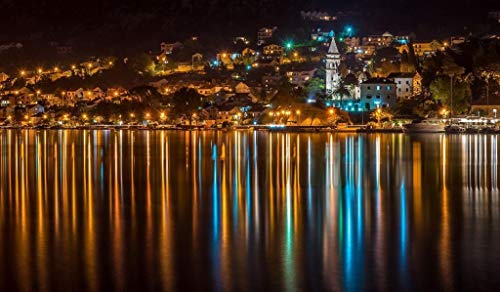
454 129
426 126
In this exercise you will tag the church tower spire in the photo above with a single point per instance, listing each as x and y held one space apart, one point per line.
332 67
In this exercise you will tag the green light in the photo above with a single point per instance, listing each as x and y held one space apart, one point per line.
289 45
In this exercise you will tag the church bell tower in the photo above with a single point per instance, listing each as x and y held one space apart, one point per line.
332 67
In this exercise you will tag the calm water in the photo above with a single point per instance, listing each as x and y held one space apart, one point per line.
102 211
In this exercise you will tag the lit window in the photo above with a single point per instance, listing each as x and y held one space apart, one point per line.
388 88
378 87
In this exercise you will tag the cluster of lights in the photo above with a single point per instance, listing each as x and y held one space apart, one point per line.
40 71
283 113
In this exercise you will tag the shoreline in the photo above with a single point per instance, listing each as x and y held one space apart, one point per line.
354 129
277 129
269 128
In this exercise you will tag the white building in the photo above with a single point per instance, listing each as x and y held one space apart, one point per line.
332 67
377 92
407 84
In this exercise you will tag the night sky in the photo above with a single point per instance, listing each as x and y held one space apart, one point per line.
98 19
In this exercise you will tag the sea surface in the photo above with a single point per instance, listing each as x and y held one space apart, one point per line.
248 211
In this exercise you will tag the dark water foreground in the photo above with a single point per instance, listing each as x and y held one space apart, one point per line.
102 211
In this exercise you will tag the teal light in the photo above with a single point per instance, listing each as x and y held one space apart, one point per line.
349 30
289 45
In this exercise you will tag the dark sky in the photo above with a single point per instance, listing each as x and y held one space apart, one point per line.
60 19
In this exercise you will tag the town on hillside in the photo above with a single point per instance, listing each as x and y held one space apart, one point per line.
330 77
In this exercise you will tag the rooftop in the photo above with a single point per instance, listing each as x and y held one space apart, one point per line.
377 80
401 75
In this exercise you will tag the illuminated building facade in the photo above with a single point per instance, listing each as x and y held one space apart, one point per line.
332 67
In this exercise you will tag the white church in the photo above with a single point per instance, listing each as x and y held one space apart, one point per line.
368 95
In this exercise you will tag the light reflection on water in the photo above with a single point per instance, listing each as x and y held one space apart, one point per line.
120 210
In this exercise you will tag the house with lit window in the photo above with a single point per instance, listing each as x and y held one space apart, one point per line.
300 78
264 35
272 51
377 92
424 49
378 41
228 114
321 36
407 84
